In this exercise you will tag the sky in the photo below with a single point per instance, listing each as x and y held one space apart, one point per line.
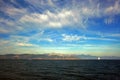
60 26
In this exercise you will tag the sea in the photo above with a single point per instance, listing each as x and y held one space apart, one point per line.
59 69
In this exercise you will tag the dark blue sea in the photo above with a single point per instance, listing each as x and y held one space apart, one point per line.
59 69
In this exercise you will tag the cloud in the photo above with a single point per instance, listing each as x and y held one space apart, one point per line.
12 11
24 44
70 37
109 20
109 35
115 35
50 19
48 39
37 37
106 39
40 3
37 12
3 31
17 38
45 39
78 14
9 27
113 8
83 38
3 42
37 18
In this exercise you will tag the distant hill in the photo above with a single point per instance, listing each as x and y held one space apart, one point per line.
36 56
53 56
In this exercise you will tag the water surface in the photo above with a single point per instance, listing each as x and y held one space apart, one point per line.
59 69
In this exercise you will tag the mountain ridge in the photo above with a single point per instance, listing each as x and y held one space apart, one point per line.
54 56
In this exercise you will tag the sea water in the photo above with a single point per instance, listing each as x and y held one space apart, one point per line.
59 69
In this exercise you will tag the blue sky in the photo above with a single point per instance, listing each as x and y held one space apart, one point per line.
60 26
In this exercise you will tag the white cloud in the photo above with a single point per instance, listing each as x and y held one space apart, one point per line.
19 39
25 44
109 9
50 2
3 42
55 24
106 39
78 14
77 38
113 9
41 3
70 37
15 11
113 35
9 26
47 39
103 35
25 39
37 18
2 30
7 22
109 20
50 19
41 37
